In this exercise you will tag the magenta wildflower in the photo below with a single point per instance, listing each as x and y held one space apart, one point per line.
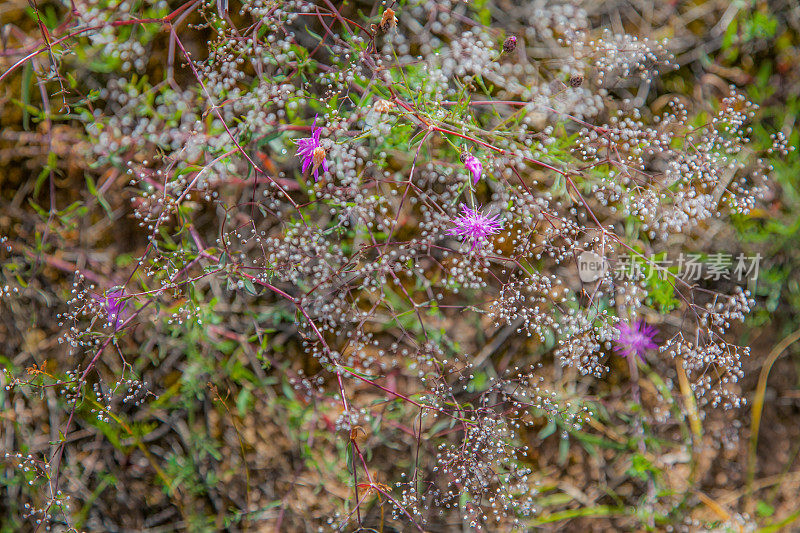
475 226
473 164
312 152
636 339
115 306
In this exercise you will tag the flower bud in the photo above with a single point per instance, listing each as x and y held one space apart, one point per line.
510 44
473 164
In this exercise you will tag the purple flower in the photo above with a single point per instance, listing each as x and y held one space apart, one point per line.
115 305
474 165
312 152
636 339
475 226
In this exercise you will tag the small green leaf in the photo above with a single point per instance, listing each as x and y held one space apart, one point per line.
243 401
40 180
249 287
764 509
349 453
548 430
563 450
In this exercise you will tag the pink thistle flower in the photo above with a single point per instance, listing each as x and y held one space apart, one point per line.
115 306
312 152
473 164
635 339
474 226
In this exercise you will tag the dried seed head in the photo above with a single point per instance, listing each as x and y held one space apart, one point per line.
383 106
388 20
318 156
510 44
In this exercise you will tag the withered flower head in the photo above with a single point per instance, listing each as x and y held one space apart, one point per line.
388 20
317 156
383 106
510 44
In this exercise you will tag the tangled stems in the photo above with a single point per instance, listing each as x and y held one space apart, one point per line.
360 272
